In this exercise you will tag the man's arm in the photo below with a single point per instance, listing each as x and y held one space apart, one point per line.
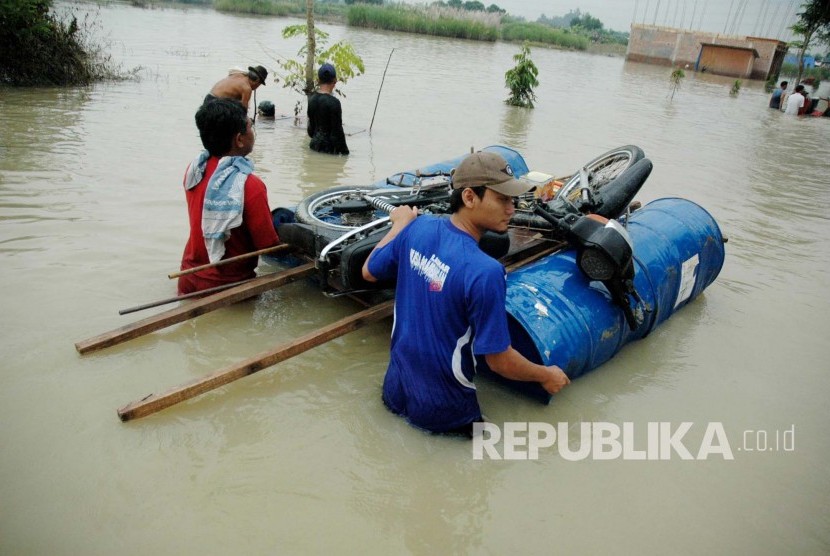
513 365
311 112
337 127
246 96
401 217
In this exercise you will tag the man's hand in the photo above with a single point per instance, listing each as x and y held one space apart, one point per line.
400 218
558 380
403 215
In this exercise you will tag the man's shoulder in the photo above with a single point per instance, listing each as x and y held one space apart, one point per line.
254 185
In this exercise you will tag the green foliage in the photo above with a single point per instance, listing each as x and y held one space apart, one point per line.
587 22
521 79
39 48
585 25
350 2
536 32
563 21
341 55
813 23
470 6
411 20
818 74
676 79
279 8
736 88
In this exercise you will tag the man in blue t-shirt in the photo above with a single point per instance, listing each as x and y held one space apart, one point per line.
450 301
775 99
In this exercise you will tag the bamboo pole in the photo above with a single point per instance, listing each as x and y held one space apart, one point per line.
380 89
268 250
154 403
191 295
191 310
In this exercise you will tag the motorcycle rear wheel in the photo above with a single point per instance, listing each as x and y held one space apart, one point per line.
328 210
602 171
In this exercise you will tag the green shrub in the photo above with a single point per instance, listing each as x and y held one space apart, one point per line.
432 22
536 32
521 79
39 48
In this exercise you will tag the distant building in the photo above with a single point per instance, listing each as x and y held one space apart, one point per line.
734 56
809 61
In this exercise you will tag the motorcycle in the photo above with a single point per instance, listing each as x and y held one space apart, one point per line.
339 227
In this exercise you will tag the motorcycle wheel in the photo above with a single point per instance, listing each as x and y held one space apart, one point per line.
319 209
602 171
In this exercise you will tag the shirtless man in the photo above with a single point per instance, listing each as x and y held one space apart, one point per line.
239 85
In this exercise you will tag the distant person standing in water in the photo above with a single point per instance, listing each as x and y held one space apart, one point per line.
795 101
239 85
775 100
325 117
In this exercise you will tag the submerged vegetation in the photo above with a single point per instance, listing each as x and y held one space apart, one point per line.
521 79
676 79
39 47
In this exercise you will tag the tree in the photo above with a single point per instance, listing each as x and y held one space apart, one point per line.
587 22
299 73
474 6
813 23
311 48
521 79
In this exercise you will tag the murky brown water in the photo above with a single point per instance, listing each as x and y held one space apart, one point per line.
303 458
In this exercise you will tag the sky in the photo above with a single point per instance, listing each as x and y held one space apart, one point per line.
765 18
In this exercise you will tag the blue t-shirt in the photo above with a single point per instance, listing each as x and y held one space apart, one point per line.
449 305
775 100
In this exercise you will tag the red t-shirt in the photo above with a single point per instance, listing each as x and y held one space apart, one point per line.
256 232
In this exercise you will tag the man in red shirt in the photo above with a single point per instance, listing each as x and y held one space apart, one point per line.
236 218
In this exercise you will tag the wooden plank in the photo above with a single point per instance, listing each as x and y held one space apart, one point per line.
154 403
194 309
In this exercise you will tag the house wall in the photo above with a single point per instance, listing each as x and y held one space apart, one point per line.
678 47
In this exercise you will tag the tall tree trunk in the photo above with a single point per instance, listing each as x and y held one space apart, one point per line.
311 46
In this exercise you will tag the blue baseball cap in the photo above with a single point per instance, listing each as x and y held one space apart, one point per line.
326 73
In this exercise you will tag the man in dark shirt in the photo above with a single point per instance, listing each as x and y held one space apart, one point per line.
325 117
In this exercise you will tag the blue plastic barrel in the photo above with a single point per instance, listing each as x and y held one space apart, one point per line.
557 316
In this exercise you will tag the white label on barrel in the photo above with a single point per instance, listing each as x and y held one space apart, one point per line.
687 279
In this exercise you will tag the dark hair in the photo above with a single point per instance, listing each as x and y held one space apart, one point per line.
785 83
799 88
219 120
455 197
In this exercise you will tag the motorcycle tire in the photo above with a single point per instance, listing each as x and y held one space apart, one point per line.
603 170
318 208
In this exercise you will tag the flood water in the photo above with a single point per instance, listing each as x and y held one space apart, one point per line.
302 458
